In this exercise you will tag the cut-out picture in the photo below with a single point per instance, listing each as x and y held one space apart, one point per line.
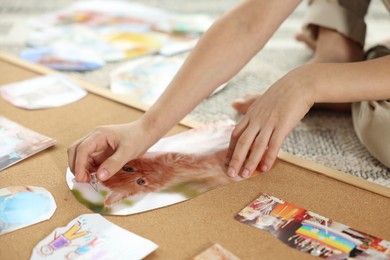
126 16
175 169
81 35
145 79
65 57
48 91
216 252
18 142
22 206
82 39
134 45
90 236
311 233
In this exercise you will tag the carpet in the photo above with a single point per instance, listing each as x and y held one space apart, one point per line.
325 137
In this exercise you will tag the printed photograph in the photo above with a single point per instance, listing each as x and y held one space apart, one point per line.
311 233
18 142
175 169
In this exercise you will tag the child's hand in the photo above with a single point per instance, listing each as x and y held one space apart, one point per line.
259 135
106 149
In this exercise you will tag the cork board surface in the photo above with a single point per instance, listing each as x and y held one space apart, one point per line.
185 229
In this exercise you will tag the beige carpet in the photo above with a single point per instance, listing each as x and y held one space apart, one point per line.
324 137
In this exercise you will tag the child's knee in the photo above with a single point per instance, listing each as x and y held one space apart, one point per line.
371 121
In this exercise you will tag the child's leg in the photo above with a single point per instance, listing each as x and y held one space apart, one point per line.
371 120
336 31
343 16
334 47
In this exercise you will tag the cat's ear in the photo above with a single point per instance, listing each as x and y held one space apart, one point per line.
114 197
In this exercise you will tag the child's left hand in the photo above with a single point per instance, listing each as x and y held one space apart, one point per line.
259 135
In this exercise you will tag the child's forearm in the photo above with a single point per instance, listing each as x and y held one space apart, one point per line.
351 82
221 52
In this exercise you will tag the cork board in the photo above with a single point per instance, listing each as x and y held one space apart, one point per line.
185 229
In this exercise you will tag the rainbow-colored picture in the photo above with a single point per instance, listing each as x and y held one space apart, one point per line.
310 232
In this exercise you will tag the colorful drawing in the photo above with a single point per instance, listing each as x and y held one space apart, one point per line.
22 206
90 236
130 15
80 46
145 79
134 45
175 169
64 240
65 57
310 232
48 91
18 142
84 35
82 250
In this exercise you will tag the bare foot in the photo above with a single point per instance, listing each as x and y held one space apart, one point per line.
310 43
330 47
334 47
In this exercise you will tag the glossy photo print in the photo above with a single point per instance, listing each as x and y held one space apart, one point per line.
18 142
90 236
175 169
22 206
311 233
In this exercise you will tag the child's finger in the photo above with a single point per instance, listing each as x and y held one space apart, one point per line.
274 146
258 148
241 150
113 164
83 156
237 132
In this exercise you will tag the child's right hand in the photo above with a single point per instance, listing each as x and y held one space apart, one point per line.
106 149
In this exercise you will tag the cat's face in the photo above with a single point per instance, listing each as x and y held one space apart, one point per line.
137 176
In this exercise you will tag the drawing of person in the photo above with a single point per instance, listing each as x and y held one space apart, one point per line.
82 250
64 240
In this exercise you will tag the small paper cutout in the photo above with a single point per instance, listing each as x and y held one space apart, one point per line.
310 232
22 206
216 252
65 57
48 91
18 143
145 79
90 236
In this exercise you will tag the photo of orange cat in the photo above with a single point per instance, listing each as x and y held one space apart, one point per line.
153 172
177 168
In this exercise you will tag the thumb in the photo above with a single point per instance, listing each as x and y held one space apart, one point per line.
111 165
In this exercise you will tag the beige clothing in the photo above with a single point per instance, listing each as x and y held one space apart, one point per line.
344 16
371 119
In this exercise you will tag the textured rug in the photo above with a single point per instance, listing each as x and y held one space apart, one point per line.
324 137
